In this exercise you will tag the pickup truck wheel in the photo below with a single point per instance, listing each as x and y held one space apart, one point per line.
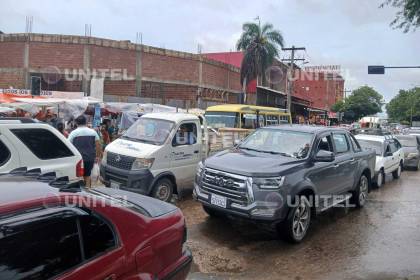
212 213
298 221
359 196
163 190
397 173
381 178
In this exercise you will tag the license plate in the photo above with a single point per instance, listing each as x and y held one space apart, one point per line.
114 185
218 200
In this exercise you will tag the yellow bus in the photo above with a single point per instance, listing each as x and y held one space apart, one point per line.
245 116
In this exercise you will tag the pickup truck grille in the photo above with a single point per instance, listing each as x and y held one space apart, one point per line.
231 186
120 161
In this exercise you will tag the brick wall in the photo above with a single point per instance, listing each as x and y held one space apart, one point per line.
11 54
112 58
15 80
122 88
62 56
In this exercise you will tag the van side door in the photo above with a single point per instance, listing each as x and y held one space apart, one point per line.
186 152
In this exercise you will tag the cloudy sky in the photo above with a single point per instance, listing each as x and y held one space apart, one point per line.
351 33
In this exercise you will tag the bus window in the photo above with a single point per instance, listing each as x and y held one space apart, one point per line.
249 121
222 119
284 119
272 120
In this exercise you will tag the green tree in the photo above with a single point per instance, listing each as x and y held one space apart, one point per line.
260 45
362 102
405 106
408 16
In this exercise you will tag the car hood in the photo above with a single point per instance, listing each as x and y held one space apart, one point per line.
132 148
152 206
408 150
250 163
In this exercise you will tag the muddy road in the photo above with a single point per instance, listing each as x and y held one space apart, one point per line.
380 241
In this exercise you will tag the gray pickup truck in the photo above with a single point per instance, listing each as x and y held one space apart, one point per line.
284 175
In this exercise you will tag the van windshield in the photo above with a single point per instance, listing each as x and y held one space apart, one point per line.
289 143
151 131
222 119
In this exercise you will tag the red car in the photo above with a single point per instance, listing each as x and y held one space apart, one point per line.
54 229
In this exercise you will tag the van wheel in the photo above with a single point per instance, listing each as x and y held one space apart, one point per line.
212 213
163 190
381 178
397 173
298 221
359 196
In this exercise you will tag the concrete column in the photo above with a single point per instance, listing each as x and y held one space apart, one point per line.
200 83
26 73
138 71
86 69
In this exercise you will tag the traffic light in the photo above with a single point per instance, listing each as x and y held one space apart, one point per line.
35 86
376 69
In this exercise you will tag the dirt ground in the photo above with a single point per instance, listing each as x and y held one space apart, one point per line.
380 241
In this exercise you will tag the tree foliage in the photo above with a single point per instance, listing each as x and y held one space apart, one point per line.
362 102
404 105
408 16
260 46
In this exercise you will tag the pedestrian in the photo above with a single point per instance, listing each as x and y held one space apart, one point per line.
87 141
60 127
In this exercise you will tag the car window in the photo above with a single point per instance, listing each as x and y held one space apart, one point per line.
388 149
40 251
43 143
185 135
398 144
355 144
325 144
98 236
341 143
393 147
4 154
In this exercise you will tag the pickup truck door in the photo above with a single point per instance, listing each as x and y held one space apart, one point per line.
186 153
322 174
345 163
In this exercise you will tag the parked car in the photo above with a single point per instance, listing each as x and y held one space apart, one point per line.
56 230
27 142
411 148
389 155
272 174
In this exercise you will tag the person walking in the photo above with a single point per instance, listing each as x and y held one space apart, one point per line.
87 141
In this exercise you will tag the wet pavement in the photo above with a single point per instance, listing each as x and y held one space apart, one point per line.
380 241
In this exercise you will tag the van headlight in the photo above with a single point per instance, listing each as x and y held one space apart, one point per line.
270 183
142 163
104 157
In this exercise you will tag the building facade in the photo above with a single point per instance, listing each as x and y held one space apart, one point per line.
130 72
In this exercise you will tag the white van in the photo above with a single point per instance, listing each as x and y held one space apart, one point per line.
157 155
28 143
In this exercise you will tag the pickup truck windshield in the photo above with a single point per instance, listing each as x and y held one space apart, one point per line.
283 142
151 131
222 119
372 145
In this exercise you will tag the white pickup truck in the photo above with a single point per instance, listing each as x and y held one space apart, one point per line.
158 154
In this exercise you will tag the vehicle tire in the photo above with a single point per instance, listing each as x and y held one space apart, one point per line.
397 173
298 221
359 196
417 168
211 212
380 180
163 189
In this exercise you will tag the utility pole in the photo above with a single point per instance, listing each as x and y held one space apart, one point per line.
292 73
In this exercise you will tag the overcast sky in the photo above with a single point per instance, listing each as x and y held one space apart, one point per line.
351 33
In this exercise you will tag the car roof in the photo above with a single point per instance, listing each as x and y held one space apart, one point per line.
376 138
306 128
174 117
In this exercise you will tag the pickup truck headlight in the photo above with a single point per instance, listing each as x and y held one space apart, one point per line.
412 155
199 172
271 183
142 163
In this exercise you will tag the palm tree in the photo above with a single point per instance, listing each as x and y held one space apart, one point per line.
260 46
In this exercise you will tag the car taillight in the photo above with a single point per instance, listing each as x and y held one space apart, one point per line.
80 171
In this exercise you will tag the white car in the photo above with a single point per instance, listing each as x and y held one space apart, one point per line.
28 143
389 155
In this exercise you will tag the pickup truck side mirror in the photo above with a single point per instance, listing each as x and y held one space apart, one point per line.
324 156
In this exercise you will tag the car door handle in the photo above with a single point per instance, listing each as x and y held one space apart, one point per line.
196 152
336 165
